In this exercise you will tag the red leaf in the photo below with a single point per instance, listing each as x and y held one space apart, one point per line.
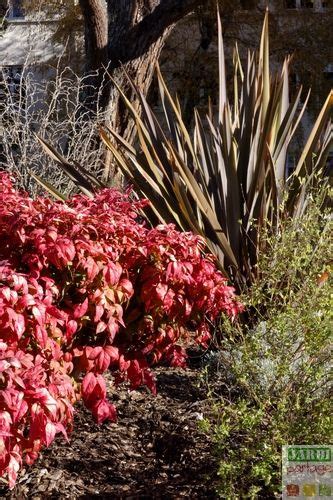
50 432
93 388
93 352
41 336
71 328
20 410
112 329
12 470
135 374
43 396
112 273
161 291
113 352
88 385
38 315
81 309
101 327
150 380
103 361
123 364
98 313
103 410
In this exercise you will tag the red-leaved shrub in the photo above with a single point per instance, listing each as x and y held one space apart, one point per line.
85 287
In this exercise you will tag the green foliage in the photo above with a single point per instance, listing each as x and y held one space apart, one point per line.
273 386
295 259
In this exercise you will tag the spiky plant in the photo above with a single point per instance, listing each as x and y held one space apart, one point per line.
225 179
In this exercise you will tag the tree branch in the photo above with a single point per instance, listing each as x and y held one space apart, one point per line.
145 33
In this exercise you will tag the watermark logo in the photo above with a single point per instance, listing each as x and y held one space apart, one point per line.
307 472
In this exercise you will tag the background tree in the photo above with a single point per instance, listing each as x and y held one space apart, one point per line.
126 37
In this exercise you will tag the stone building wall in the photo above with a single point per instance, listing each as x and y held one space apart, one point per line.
28 40
305 31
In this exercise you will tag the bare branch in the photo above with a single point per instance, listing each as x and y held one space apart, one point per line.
52 109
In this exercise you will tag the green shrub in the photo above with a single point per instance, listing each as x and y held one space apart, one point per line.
272 387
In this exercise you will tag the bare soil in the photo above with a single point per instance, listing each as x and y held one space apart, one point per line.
155 450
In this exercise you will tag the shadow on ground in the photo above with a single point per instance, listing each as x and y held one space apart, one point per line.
155 450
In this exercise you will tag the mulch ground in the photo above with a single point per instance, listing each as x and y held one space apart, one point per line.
155 450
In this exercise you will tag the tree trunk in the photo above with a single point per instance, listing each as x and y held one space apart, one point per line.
96 47
140 69
132 64
128 35
136 32
141 72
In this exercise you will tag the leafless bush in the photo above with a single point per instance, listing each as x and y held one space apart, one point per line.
52 107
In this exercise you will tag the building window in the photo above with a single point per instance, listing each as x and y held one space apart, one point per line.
16 9
328 71
316 5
